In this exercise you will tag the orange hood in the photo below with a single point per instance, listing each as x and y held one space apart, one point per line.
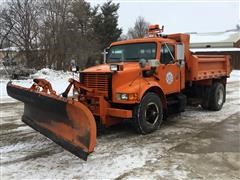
104 68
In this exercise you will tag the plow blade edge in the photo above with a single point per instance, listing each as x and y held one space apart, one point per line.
67 122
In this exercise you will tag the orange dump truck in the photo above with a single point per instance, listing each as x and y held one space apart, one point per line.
140 81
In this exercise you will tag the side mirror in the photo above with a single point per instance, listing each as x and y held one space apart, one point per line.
105 53
142 63
180 54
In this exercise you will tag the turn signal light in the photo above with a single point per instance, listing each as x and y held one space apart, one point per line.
127 97
133 97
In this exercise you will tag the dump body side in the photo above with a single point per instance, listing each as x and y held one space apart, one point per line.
201 67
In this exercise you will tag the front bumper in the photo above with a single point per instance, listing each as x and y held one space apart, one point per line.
108 115
120 113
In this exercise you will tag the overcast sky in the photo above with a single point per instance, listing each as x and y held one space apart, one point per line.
179 15
183 16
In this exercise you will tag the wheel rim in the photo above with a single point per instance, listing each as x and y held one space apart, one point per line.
152 113
220 97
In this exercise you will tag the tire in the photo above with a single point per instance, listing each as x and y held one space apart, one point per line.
217 97
205 98
148 115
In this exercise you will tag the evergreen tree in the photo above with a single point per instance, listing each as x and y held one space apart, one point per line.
105 24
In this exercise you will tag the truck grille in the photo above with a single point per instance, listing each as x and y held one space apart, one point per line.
100 82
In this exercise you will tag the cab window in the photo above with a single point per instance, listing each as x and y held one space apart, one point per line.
167 54
132 52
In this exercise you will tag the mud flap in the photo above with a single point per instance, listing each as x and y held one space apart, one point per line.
67 122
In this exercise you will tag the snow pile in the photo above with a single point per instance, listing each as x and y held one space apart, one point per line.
50 74
234 76
58 79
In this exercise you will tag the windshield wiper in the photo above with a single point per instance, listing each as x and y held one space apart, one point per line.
130 58
113 58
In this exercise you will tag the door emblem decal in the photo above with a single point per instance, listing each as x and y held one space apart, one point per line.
169 78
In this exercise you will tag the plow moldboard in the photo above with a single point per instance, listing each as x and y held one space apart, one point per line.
67 122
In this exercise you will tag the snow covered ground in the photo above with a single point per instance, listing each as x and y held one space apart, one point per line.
195 144
58 79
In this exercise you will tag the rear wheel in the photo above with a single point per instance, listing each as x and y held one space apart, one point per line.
214 97
148 115
217 97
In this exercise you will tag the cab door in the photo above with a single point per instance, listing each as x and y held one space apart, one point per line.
168 70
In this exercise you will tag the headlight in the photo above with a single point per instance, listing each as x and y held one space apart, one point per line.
124 96
127 97
113 67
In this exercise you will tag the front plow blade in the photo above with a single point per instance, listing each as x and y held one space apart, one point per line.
67 122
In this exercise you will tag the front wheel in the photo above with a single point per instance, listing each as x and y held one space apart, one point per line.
148 115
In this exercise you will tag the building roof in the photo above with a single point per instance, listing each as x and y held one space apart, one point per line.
216 39
195 50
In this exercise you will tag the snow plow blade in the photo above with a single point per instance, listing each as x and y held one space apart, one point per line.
67 122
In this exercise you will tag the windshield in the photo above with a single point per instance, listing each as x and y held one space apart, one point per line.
132 52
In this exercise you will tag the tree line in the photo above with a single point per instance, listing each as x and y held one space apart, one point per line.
53 32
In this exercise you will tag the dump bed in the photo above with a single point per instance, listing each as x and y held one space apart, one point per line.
202 67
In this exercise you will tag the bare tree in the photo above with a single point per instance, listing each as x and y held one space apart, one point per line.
20 18
139 30
67 32
5 29
54 31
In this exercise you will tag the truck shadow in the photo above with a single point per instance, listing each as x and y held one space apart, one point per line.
127 127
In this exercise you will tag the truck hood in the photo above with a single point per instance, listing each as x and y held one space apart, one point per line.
105 68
